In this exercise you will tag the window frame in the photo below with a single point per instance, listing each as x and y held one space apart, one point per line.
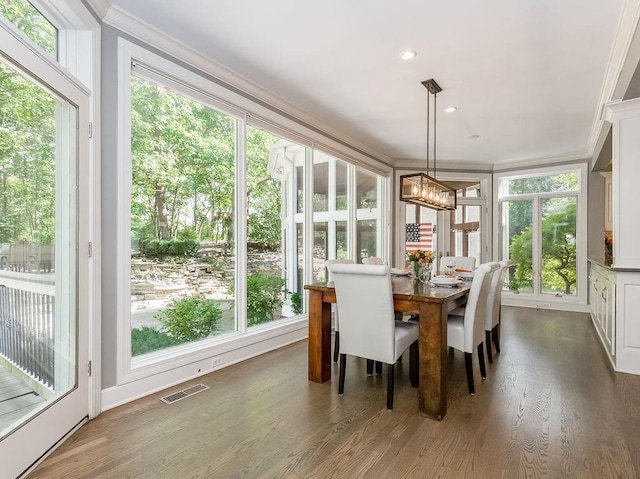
577 302
247 112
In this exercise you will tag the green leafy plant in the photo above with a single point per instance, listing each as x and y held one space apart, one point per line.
513 285
147 339
265 294
190 319
296 302
157 247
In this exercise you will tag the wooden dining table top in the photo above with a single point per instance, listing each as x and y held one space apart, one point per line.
406 288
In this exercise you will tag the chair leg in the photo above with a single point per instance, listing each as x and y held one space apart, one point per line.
390 380
468 362
369 367
414 364
487 337
496 336
336 347
483 369
343 366
378 367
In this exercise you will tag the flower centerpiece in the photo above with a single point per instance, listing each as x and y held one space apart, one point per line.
419 258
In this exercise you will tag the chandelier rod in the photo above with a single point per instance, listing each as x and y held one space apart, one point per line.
435 126
428 130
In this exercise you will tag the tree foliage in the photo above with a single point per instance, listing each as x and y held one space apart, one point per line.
27 160
558 234
183 156
31 22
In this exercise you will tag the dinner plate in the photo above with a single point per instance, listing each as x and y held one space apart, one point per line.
446 285
444 280
399 271
465 275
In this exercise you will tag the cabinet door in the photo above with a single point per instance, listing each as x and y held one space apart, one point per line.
609 321
593 294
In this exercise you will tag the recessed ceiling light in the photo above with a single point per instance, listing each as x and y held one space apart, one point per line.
473 137
408 55
451 109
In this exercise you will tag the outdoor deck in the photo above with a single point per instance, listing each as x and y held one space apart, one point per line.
16 399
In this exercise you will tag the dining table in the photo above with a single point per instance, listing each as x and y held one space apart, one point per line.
431 302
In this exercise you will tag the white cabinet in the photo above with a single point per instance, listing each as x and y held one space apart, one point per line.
602 298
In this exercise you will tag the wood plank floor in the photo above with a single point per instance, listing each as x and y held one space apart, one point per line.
550 407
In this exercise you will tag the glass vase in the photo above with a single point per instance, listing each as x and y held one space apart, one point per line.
424 272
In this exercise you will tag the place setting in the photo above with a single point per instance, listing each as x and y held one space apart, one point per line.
445 280
464 274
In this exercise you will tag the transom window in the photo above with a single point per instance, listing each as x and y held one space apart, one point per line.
32 23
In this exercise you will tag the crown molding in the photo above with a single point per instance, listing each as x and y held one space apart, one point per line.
622 45
101 7
122 20
578 157
620 109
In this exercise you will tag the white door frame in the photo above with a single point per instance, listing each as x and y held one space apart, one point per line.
41 433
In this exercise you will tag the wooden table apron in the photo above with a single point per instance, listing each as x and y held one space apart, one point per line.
433 304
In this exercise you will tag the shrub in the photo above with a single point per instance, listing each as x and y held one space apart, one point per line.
190 319
147 339
187 233
296 302
157 247
265 294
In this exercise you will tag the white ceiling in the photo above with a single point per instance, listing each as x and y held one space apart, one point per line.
527 76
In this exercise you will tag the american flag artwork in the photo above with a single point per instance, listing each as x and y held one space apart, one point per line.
419 236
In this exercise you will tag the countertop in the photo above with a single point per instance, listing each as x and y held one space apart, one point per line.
600 262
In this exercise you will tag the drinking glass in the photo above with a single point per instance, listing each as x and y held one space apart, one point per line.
451 264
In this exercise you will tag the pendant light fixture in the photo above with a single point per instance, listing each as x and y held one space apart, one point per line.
420 188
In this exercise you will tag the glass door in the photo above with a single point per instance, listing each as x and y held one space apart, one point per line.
43 340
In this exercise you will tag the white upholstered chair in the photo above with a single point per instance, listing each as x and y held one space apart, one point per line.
334 308
494 300
464 262
372 260
465 333
368 328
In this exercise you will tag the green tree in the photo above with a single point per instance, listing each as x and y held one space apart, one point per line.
183 155
558 251
264 195
27 160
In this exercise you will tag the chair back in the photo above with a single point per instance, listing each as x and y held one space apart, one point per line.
464 262
372 260
476 308
367 320
495 296
334 307
330 262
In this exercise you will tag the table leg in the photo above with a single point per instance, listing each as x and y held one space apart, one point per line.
319 338
432 341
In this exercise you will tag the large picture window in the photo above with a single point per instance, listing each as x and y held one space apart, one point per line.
540 232
182 218
217 223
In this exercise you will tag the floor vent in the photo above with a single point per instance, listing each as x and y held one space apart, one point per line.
185 393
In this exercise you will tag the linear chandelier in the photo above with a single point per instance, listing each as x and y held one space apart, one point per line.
420 188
